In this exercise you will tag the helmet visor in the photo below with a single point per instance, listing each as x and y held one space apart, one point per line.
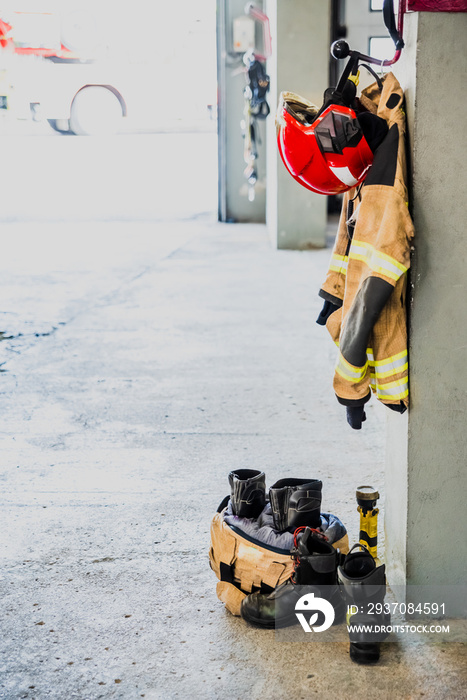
336 131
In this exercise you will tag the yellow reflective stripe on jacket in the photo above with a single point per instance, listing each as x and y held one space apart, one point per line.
378 262
349 372
393 390
339 263
389 366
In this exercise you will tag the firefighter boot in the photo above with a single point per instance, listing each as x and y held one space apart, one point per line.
363 587
296 502
247 492
315 571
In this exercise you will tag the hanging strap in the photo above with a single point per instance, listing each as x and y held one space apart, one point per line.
390 22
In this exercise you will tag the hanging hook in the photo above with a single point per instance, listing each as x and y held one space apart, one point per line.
381 67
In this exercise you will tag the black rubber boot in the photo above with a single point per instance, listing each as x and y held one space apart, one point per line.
247 492
363 586
296 502
315 565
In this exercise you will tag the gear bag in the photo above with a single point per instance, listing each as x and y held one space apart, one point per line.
245 564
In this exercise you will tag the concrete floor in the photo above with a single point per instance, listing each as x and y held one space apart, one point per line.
166 355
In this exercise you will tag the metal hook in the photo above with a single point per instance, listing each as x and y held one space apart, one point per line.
381 67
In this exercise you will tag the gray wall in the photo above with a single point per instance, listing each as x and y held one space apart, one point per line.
300 31
427 484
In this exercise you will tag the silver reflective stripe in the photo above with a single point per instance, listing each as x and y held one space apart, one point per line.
397 389
393 365
349 372
344 175
376 260
339 263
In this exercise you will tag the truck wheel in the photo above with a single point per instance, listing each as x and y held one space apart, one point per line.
60 125
95 110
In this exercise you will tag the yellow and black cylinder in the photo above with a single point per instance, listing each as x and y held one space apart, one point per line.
367 497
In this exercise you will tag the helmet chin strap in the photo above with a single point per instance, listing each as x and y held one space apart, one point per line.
349 75
375 75
346 90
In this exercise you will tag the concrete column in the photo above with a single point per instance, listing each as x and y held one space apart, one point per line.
426 456
234 202
300 32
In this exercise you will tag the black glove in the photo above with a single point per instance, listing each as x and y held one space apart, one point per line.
326 311
355 416
398 407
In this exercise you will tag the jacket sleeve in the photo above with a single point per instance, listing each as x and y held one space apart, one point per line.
379 256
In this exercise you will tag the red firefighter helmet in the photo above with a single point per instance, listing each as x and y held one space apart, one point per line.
325 151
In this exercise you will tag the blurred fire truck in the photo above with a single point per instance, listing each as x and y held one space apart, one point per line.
58 66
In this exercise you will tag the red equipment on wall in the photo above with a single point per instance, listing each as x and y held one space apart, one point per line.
328 156
436 6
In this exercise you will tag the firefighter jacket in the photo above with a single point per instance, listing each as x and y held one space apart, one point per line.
365 287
